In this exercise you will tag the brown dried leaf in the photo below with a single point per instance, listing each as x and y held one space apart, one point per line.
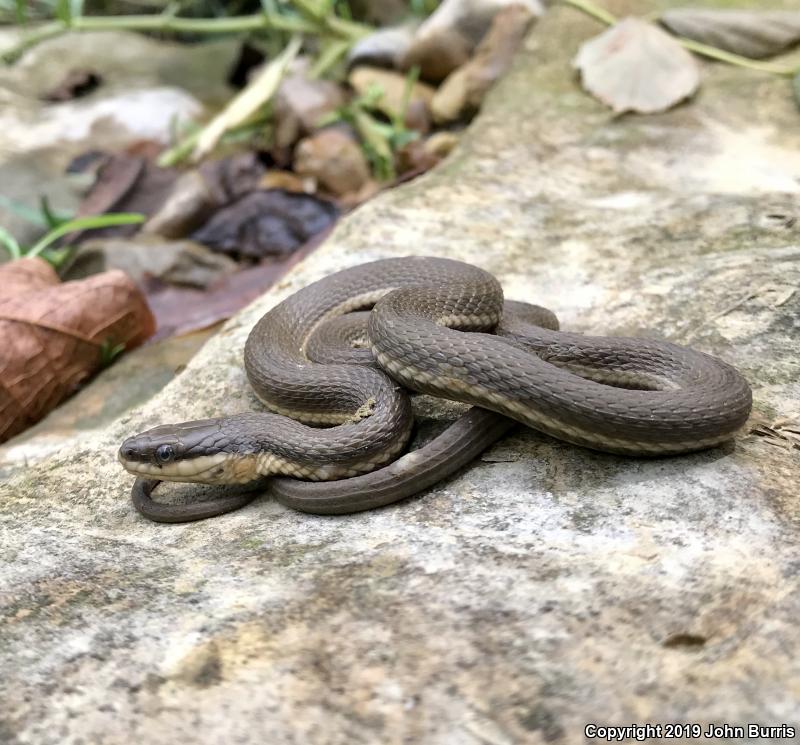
266 223
124 183
182 310
51 335
635 66
26 275
755 34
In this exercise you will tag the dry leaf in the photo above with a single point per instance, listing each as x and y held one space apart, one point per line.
635 66
124 183
26 275
266 223
753 34
181 310
52 335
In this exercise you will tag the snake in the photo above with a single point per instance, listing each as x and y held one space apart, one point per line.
334 365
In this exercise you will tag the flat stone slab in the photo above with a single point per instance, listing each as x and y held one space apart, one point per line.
543 588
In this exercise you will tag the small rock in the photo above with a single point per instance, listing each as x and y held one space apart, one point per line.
393 85
418 116
196 193
334 160
364 194
414 159
447 38
300 103
266 223
287 181
385 48
438 53
463 90
184 209
176 262
441 144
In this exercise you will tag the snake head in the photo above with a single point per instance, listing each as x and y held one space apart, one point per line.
193 451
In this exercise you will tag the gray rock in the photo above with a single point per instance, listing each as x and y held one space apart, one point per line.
147 86
386 47
544 587
301 103
176 262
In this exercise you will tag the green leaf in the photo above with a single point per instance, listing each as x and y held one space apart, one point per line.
52 219
109 352
63 11
57 257
376 144
330 55
21 11
84 223
10 244
411 80
29 214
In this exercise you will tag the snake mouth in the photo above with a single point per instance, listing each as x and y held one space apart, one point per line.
207 469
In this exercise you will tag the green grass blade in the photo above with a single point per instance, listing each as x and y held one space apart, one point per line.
85 223
10 244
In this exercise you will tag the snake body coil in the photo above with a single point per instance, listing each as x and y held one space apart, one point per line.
335 420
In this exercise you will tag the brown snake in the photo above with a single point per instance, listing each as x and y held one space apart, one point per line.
336 421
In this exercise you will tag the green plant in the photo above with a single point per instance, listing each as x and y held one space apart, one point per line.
109 352
44 217
380 139
308 17
59 230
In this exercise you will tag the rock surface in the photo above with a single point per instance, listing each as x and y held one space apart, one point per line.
544 587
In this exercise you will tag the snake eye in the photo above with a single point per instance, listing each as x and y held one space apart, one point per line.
165 453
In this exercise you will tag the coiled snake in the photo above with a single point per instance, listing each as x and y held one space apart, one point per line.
334 421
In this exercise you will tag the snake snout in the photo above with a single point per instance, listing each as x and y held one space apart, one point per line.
154 449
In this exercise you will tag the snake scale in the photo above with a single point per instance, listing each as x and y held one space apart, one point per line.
333 380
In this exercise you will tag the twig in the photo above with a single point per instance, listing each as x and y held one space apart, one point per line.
735 59
593 10
248 101
170 23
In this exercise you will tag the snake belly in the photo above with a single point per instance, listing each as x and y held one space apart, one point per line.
341 422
